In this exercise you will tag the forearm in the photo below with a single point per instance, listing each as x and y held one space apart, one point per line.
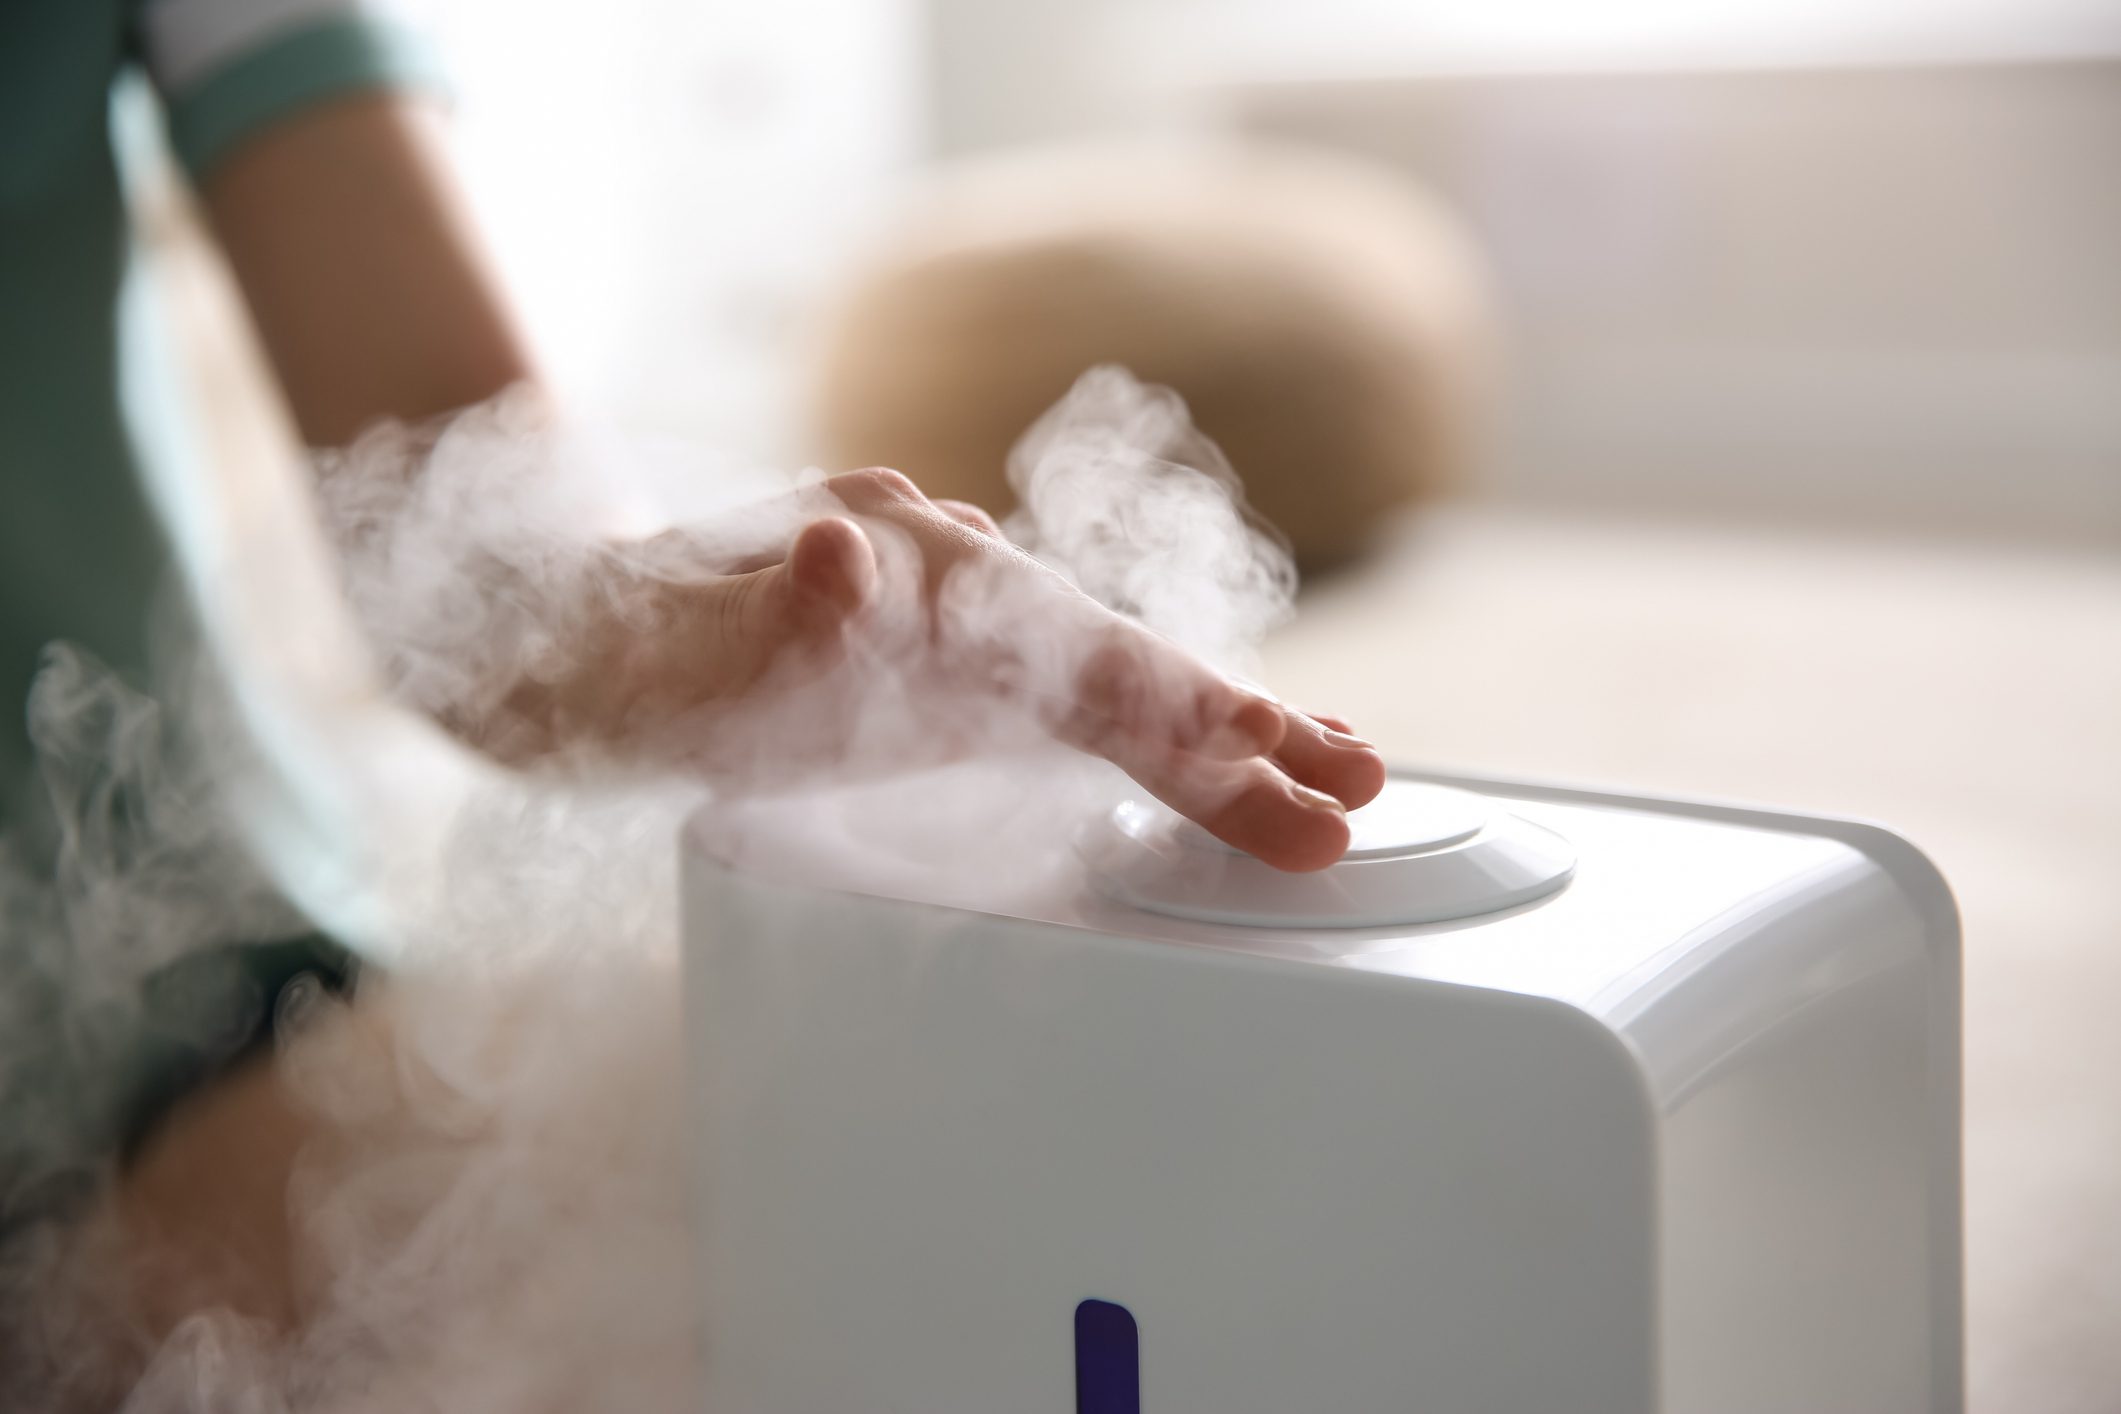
362 268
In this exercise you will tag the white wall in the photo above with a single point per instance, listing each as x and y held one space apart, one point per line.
1747 261
664 181
1010 70
1864 294
1841 259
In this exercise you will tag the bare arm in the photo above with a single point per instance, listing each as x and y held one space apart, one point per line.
362 268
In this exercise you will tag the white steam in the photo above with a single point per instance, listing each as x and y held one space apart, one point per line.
491 1210
1123 495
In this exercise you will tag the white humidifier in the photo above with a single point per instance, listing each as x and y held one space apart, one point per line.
1542 1101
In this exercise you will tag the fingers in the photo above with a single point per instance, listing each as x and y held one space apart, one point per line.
944 534
1264 778
1289 808
880 491
1252 806
1281 822
1138 692
1329 759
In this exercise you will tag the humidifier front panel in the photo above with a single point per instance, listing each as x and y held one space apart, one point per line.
931 1137
1804 1058
1798 1261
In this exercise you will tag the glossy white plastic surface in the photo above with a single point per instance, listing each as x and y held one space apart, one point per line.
1681 1136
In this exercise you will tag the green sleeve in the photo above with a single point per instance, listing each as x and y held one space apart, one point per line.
310 64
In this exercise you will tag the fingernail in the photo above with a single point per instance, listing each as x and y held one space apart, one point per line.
1352 743
1315 799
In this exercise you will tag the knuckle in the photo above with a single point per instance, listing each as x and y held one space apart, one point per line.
875 484
972 515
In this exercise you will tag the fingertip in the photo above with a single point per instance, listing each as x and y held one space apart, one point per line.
1306 831
832 563
1345 767
1320 844
1362 776
1278 821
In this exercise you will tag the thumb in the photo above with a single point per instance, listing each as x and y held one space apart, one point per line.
828 576
830 572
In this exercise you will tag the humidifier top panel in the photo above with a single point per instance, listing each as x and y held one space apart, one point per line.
1647 884
1417 853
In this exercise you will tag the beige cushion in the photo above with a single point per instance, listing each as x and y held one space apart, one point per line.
1325 321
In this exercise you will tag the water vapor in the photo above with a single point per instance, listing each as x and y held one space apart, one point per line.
1121 493
489 1207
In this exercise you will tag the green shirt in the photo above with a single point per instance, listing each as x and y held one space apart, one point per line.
86 1057
80 549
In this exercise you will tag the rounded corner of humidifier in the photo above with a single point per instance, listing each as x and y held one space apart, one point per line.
1627 1081
1911 870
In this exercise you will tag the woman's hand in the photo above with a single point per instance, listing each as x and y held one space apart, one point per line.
891 630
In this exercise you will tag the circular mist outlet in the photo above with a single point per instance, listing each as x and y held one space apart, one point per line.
1418 854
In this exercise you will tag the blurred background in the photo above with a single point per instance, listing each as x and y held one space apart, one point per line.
1716 399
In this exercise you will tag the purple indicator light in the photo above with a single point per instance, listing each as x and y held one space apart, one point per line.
1107 1360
